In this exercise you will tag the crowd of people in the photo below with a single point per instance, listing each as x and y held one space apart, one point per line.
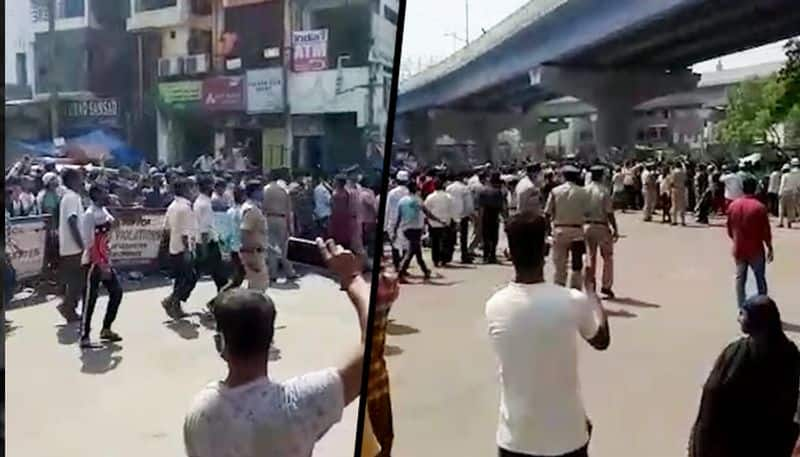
566 211
261 213
81 201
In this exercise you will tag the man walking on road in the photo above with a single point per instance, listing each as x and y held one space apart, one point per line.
392 204
97 224
532 326
71 246
440 204
277 208
209 255
181 224
254 238
462 209
650 190
748 227
789 194
493 206
566 209
601 231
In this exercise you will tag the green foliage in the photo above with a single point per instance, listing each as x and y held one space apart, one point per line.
756 107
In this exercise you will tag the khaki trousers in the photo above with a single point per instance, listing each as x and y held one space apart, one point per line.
598 237
568 244
678 199
787 208
650 199
255 270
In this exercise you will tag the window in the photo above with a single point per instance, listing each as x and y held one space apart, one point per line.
665 114
149 5
71 8
390 15
22 69
387 88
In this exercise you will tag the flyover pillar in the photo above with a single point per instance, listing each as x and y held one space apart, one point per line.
614 93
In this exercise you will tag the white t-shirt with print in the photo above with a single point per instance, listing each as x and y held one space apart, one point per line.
71 205
264 418
534 330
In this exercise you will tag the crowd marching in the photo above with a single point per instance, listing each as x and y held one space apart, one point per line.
261 212
567 211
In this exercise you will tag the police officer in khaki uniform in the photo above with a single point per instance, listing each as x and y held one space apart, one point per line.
650 190
678 194
601 230
278 210
254 239
566 208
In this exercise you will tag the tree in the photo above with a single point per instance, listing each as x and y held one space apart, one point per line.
757 107
750 116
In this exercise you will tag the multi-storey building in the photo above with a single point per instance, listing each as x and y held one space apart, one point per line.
87 66
19 50
300 83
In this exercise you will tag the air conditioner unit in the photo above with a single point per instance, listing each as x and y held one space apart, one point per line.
197 64
180 62
167 67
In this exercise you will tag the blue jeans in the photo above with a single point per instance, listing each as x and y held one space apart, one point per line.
759 267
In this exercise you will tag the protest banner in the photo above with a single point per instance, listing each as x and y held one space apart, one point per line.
26 242
136 242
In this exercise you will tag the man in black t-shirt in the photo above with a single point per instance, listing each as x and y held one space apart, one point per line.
492 206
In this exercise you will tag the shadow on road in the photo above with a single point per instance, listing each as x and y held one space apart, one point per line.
628 301
391 350
400 329
620 313
184 328
789 327
10 328
101 359
68 334
288 285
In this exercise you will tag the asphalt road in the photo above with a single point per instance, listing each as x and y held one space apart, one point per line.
128 400
676 311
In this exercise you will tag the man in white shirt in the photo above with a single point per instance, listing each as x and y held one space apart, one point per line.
733 185
533 325
772 190
209 255
789 194
463 208
71 244
527 190
248 414
393 198
322 205
440 204
204 163
181 224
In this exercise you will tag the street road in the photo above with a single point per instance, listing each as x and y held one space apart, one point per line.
675 313
129 400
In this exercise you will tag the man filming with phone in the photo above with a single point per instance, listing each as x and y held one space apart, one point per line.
248 414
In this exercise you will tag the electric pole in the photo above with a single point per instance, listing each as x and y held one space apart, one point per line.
466 11
51 73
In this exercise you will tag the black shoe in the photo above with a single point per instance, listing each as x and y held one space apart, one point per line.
109 335
86 343
608 293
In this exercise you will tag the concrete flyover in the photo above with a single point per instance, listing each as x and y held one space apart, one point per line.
612 55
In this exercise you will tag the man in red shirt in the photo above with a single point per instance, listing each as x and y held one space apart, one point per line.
748 227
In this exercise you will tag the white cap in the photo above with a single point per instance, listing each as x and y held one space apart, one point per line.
795 162
402 175
49 177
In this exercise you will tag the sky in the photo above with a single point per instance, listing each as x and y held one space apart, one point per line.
427 22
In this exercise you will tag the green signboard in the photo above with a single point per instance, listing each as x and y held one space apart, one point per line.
181 93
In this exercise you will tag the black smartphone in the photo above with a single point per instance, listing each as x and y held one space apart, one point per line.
305 251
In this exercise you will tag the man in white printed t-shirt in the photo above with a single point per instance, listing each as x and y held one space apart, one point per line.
533 326
248 414
71 245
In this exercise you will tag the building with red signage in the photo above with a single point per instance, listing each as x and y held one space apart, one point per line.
303 83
